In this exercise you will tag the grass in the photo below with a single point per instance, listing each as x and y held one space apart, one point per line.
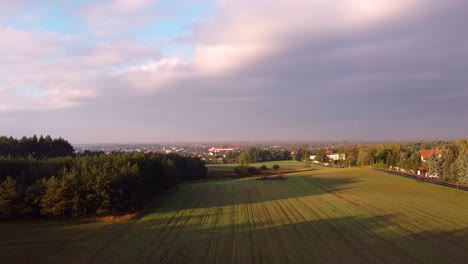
284 164
334 215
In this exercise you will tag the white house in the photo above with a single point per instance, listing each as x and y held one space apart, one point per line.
337 156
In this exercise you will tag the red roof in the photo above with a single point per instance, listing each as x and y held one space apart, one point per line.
426 153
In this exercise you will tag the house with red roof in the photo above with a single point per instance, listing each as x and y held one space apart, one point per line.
427 153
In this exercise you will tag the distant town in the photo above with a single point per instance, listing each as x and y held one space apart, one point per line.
209 152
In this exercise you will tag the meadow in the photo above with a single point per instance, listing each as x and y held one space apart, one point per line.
227 170
319 216
284 164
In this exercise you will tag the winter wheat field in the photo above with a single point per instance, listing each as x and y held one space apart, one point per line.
318 216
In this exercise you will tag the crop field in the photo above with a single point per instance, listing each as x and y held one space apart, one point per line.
320 216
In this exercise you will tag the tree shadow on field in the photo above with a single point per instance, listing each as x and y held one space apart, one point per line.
251 191
49 241
352 239
259 238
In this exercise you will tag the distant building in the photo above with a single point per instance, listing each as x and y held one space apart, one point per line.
427 153
337 156
312 157
422 171
217 149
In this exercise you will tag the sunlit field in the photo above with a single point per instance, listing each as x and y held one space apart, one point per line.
333 215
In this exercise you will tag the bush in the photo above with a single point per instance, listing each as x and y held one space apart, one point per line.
263 167
252 170
463 180
276 167
239 170
243 170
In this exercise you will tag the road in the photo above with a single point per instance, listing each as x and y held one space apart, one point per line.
424 179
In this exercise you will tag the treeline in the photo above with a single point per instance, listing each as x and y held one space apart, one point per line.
38 148
385 155
452 165
254 154
89 185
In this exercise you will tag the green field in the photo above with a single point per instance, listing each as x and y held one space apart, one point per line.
284 164
321 216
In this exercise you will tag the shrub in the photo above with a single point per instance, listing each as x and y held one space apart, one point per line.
252 170
244 170
276 167
263 167
239 170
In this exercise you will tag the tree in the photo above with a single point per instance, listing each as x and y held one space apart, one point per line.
90 184
435 165
364 157
448 168
9 197
38 148
382 154
244 160
352 153
301 154
321 156
54 202
427 146
461 168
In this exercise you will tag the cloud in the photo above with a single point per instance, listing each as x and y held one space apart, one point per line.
372 66
111 17
154 76
260 70
242 32
41 70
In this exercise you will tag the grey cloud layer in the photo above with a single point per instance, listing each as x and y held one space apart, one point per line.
396 78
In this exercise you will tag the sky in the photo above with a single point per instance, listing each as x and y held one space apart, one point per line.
134 71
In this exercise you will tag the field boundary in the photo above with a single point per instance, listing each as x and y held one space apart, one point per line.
424 179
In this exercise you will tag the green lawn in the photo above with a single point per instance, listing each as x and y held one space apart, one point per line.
334 215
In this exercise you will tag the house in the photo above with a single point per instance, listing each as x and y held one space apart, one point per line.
337 156
427 153
312 157
216 149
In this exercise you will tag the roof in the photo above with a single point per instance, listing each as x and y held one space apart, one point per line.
426 153
228 147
